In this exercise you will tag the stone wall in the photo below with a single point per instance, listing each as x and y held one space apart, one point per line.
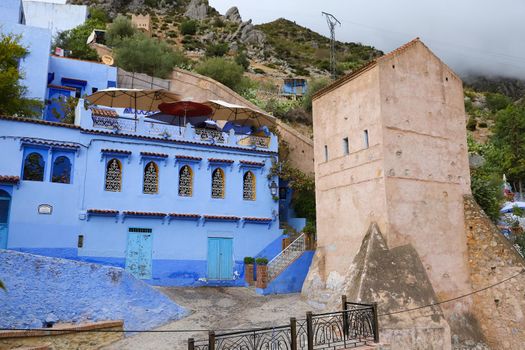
84 336
500 309
43 289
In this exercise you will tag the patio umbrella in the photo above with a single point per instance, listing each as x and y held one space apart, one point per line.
145 100
185 109
239 114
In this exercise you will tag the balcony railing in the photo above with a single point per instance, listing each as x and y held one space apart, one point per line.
210 135
117 124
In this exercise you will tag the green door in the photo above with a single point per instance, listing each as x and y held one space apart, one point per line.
138 253
220 258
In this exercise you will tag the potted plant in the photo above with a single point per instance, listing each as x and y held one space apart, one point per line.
262 273
248 270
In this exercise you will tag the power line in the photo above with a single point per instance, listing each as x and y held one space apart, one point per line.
455 298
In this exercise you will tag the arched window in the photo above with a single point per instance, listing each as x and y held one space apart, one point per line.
217 183
113 175
151 178
248 186
34 167
185 181
61 170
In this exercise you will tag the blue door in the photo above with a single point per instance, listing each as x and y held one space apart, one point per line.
138 254
5 201
220 258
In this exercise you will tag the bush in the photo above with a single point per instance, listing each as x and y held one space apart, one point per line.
74 40
188 27
242 60
261 261
313 86
120 29
218 22
249 260
259 71
483 124
471 124
142 54
225 71
487 191
98 14
496 102
216 50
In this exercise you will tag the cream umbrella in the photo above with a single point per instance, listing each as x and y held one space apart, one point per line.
223 110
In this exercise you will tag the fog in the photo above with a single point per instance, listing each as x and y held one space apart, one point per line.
472 36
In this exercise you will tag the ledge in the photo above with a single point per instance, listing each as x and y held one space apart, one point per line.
250 163
102 212
220 218
10 179
153 155
50 144
143 214
59 329
115 151
181 216
255 220
217 160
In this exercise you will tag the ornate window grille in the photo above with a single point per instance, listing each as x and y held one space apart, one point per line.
185 181
248 190
217 183
151 178
114 176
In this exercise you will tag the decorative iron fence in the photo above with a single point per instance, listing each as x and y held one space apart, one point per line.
115 123
344 329
257 141
286 257
162 129
210 135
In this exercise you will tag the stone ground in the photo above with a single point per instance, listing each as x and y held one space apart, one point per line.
218 309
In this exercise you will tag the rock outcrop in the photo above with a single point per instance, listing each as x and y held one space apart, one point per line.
197 9
247 34
233 15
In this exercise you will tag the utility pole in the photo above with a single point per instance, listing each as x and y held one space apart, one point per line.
332 22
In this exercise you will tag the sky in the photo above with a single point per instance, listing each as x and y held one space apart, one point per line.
471 36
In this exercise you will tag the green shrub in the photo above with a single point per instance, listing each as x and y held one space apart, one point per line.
249 260
471 123
496 102
218 22
216 50
225 71
261 261
486 189
188 27
120 29
258 71
313 86
309 228
483 124
74 40
142 54
242 60
98 14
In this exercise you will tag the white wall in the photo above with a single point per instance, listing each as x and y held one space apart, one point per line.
56 17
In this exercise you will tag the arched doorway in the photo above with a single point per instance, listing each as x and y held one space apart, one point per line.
5 201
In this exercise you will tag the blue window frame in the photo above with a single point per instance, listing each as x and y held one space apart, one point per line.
61 170
34 166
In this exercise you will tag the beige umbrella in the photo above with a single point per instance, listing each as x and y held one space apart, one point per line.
223 110
139 99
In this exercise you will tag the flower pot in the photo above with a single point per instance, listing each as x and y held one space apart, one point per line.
248 274
262 276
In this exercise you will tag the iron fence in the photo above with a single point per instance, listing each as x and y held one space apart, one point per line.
354 326
115 123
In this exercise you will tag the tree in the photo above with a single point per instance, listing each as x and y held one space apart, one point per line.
12 100
188 27
120 29
216 50
143 54
74 40
509 142
487 189
242 60
225 71
314 86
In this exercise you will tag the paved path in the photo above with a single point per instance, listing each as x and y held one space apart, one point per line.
218 309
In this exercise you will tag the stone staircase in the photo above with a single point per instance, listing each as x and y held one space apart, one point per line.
280 262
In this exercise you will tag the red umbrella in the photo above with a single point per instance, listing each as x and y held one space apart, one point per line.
186 109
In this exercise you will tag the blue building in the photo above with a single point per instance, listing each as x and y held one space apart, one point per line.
295 87
48 78
173 205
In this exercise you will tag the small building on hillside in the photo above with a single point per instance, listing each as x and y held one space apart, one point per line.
173 205
142 22
294 87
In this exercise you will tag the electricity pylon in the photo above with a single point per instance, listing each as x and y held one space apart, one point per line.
332 22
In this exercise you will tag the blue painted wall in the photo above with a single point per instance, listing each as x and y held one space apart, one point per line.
49 289
11 12
290 280
180 246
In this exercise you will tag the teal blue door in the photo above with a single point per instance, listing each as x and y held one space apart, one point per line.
220 258
138 254
5 201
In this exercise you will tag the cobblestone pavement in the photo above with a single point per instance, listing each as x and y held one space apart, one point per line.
218 309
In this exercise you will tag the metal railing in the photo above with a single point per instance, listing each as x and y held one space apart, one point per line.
115 123
162 129
257 141
282 260
344 329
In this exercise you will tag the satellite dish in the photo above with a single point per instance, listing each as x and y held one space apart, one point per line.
107 59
